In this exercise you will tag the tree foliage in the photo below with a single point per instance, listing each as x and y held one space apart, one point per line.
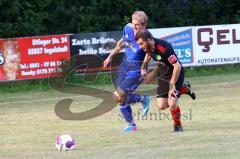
35 17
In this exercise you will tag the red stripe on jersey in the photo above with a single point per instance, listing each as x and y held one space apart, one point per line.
172 59
161 49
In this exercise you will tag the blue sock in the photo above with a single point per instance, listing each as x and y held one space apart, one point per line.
134 98
126 111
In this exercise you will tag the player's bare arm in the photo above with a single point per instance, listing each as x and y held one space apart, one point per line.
114 51
145 63
175 75
152 75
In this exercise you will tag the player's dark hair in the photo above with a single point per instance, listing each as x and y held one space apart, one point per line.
145 35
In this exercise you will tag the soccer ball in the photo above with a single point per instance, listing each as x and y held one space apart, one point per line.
65 143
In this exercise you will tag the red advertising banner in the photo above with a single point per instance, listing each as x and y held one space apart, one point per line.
33 57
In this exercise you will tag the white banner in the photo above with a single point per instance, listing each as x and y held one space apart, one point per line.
203 45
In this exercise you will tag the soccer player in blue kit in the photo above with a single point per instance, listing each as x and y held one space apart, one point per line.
129 74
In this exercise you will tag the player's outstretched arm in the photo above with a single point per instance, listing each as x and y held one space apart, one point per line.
175 75
144 66
114 51
152 75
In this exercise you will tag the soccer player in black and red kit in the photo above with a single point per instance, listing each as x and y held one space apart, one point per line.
169 71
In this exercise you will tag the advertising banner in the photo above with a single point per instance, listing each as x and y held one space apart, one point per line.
89 50
33 57
42 56
203 45
217 45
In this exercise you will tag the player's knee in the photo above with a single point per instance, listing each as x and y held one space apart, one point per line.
118 97
172 104
162 103
172 100
162 106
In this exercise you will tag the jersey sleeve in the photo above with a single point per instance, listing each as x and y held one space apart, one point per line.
170 55
172 59
128 34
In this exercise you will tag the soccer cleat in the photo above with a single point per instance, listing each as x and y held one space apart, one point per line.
146 105
177 128
130 128
192 95
190 92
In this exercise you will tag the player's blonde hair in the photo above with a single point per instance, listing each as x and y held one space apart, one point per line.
141 16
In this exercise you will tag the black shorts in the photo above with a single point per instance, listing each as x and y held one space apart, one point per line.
163 85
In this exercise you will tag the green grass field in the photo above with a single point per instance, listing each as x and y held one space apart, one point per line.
29 126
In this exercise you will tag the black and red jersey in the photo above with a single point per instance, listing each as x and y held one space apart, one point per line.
165 57
164 54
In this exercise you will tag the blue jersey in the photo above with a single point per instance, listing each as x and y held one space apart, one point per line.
133 54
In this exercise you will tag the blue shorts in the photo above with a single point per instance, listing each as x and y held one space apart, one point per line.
128 81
